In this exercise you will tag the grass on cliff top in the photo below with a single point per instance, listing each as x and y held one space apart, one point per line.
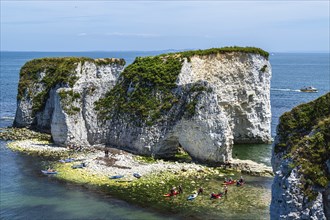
222 50
305 137
58 71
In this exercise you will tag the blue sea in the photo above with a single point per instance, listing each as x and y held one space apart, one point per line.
25 194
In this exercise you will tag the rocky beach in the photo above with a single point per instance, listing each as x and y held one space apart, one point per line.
158 176
119 162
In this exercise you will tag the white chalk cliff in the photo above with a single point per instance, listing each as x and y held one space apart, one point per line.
301 163
70 117
220 99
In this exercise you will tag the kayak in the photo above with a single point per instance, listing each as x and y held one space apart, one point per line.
169 194
240 184
137 175
82 165
48 172
229 182
68 160
192 196
216 196
116 177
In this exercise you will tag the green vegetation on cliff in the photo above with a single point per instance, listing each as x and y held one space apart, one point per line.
305 137
145 90
222 50
38 76
68 98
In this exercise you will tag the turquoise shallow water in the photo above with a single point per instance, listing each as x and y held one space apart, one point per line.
26 194
260 153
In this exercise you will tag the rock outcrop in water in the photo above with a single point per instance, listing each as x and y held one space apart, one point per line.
199 101
301 163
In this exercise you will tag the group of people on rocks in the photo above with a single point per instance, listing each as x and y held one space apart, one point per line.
239 182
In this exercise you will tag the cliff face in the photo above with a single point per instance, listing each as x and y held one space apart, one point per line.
300 160
57 95
199 101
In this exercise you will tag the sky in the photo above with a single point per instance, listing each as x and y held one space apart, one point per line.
277 26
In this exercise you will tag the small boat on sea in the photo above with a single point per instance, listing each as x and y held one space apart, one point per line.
49 172
308 89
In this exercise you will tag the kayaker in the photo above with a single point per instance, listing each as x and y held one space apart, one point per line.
180 189
230 179
225 180
241 180
212 195
172 191
200 190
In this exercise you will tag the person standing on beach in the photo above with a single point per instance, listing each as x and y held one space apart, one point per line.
106 152
200 190
225 189
180 189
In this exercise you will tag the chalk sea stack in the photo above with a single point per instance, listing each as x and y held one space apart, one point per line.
199 101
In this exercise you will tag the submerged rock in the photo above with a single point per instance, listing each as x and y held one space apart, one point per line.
301 152
198 101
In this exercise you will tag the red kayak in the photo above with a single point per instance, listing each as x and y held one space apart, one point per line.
216 196
229 182
169 194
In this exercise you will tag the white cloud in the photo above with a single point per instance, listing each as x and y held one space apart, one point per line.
81 34
121 34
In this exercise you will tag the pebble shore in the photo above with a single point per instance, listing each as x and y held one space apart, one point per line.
158 176
119 162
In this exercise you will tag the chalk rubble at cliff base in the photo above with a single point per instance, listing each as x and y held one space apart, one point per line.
120 162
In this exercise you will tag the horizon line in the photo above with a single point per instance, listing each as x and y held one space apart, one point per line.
161 50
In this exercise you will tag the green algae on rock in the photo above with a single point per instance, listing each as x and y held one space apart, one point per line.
39 148
251 200
22 134
148 192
